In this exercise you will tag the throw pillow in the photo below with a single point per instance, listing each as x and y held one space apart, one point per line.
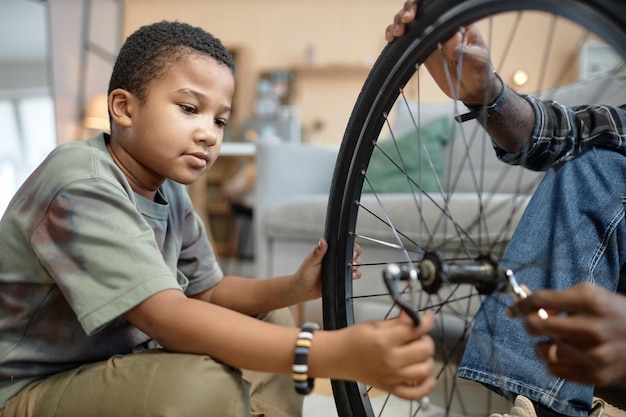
412 154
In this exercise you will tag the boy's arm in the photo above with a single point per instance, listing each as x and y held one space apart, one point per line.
257 296
386 354
253 296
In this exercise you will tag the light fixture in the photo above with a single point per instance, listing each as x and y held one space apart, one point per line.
97 113
520 77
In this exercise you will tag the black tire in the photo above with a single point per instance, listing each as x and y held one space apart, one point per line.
381 95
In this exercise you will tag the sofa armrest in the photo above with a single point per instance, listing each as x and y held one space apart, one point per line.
286 170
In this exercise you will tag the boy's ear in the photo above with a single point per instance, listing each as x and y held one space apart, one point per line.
121 107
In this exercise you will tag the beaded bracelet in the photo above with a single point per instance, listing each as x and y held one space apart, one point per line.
300 368
482 111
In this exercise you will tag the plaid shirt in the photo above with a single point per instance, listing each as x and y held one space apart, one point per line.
561 133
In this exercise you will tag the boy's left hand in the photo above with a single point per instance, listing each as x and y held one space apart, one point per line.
308 278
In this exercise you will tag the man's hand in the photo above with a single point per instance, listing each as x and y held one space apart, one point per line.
463 70
400 20
462 67
586 331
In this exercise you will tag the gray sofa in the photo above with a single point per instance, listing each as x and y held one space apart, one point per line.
294 180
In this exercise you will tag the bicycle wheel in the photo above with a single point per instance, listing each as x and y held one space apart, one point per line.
407 186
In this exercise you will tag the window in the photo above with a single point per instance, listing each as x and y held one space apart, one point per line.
27 135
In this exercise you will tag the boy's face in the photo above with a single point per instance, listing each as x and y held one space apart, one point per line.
177 132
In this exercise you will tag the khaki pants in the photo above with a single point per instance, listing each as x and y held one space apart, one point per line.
159 383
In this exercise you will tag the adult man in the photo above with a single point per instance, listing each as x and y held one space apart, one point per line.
572 238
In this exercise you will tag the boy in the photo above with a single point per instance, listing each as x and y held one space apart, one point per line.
102 257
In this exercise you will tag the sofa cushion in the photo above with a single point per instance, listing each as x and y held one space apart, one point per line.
435 217
303 217
415 156
300 217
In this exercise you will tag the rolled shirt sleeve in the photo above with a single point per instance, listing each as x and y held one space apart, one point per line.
561 133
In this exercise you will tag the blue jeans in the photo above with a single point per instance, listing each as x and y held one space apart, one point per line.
573 230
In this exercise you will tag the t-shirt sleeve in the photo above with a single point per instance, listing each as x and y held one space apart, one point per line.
197 260
103 256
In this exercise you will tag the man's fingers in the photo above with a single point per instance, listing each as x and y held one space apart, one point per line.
389 33
550 352
566 361
409 10
580 298
400 20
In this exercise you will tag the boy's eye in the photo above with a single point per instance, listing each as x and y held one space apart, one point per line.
188 109
221 122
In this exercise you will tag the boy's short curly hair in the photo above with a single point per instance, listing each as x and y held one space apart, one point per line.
147 53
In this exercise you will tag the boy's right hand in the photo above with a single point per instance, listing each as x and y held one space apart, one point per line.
391 355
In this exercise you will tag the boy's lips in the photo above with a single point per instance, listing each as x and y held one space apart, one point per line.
201 155
199 159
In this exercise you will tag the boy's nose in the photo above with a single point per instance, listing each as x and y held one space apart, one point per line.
208 135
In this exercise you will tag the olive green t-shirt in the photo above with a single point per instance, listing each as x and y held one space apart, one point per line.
79 248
